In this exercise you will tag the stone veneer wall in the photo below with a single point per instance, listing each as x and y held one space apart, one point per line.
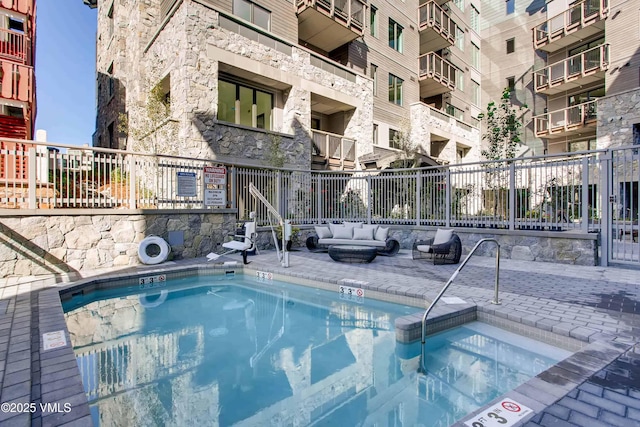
616 116
544 246
33 245
191 48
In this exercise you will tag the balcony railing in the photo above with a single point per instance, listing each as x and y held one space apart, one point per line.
329 24
16 81
435 18
13 45
576 18
575 67
332 150
438 69
566 120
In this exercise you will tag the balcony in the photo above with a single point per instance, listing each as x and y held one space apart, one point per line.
16 81
328 24
437 30
13 45
331 151
437 75
578 70
574 24
23 6
568 121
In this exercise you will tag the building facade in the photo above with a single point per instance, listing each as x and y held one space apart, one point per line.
17 84
342 84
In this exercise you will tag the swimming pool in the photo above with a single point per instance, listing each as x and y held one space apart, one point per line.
220 350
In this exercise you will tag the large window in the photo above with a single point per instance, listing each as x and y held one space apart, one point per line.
475 19
511 6
253 13
395 35
373 22
475 56
459 4
244 105
511 83
475 92
460 38
394 138
395 89
459 80
374 77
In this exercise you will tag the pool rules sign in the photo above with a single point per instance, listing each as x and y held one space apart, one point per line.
215 186
503 414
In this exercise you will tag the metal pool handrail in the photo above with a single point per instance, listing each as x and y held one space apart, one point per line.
446 286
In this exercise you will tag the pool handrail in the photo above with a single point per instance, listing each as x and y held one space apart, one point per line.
446 286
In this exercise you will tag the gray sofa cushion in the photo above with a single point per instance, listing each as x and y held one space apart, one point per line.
376 243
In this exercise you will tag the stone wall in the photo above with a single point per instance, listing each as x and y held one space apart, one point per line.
34 245
616 116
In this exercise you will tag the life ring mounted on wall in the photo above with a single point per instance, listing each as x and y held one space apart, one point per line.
150 241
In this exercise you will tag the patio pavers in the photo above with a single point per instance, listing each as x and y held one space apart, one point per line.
595 305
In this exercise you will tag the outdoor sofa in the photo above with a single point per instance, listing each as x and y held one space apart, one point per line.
353 233
445 247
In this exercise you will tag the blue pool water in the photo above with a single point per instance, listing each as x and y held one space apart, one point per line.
214 351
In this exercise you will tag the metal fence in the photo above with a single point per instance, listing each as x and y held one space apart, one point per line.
583 192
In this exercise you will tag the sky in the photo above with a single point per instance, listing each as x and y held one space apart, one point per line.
66 71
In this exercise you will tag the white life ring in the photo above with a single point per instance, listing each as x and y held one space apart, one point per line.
162 297
157 259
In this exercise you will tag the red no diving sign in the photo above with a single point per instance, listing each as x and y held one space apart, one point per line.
511 406
502 414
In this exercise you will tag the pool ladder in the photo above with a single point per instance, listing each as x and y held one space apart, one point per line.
446 286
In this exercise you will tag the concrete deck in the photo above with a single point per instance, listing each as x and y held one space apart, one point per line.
593 310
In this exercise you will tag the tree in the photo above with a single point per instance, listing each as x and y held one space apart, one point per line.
503 129
408 155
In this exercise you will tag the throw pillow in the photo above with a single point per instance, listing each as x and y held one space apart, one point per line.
353 224
342 232
382 233
332 227
323 232
362 234
442 236
373 227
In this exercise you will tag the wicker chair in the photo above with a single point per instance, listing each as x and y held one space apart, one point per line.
445 246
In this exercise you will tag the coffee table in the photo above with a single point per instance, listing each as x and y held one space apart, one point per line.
352 253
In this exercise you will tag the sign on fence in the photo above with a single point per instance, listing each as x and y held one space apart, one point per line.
214 178
186 184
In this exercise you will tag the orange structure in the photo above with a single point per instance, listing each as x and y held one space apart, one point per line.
17 84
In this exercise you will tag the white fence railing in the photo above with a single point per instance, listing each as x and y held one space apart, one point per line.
550 193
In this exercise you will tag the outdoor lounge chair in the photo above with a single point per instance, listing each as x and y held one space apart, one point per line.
444 246
246 242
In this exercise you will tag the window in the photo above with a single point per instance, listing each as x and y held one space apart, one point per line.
511 45
16 25
394 137
459 4
455 112
395 89
253 13
111 81
475 56
459 80
373 21
475 92
461 152
511 83
636 134
475 19
586 144
511 6
459 38
395 35
374 77
110 22
244 105
375 134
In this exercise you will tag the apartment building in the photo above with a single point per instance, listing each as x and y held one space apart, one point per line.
339 84
328 83
17 85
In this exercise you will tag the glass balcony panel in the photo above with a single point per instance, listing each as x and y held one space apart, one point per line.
557 119
574 66
357 11
592 59
574 115
557 72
